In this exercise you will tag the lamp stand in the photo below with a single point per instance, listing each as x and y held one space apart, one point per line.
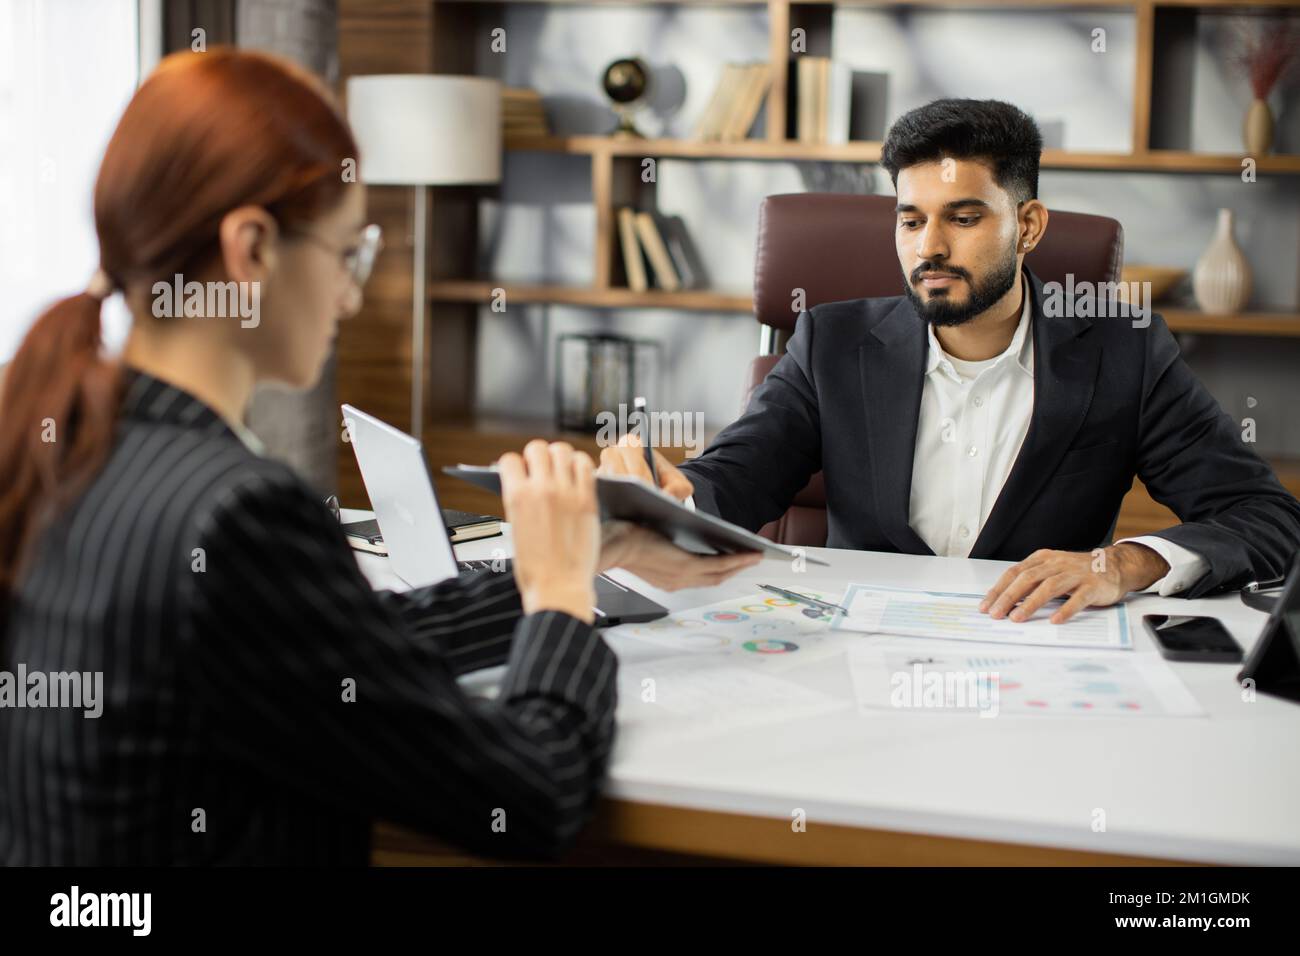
417 316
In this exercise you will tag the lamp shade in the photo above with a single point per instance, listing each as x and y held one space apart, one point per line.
426 130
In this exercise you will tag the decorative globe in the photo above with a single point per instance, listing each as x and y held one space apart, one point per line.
626 80
625 83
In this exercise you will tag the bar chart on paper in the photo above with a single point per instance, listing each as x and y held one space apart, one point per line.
956 616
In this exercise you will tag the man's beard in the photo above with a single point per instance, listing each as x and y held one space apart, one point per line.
939 310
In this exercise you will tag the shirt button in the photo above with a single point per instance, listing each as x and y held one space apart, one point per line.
979 402
964 531
972 451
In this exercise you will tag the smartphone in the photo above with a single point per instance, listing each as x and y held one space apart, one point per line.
1192 639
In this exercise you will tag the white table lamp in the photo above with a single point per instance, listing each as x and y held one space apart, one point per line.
421 131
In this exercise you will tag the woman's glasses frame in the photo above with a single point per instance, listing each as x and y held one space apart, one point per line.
358 260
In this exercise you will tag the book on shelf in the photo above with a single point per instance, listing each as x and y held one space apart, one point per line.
710 121
802 97
522 113
755 81
657 252
735 103
686 258
633 264
836 112
821 98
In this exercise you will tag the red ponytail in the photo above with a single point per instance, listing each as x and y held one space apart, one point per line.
59 400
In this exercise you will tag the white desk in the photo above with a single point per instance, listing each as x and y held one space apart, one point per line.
919 787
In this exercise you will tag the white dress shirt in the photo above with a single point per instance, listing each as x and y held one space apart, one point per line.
972 422
973 419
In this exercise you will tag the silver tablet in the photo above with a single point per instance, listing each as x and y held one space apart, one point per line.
625 498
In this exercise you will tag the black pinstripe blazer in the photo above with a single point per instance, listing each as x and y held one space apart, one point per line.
262 704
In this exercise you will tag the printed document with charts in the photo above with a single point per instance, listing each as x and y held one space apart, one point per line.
956 616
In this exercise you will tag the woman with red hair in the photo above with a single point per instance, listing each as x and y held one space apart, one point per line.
244 696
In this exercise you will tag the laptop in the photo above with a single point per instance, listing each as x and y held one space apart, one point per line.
406 508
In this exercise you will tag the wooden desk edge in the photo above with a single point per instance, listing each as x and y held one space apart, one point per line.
621 828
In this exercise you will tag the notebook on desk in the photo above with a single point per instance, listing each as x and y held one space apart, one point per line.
467 526
462 526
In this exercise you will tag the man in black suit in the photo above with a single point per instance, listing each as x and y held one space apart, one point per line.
972 417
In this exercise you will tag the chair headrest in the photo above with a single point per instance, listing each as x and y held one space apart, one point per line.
839 246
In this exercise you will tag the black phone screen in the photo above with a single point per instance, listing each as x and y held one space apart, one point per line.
1192 638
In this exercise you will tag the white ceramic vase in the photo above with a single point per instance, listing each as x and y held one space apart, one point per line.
1221 281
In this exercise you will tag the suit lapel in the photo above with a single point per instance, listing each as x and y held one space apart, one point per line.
1065 375
892 366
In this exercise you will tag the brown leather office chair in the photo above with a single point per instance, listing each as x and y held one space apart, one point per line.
838 247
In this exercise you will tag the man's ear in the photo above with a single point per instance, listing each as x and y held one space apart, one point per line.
1033 224
249 238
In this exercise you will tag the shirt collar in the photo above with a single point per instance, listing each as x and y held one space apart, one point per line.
245 435
151 399
1021 346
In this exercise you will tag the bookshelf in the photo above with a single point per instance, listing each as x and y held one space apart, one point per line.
1275 324
1150 161
428 36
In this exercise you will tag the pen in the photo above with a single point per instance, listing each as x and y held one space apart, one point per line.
1254 586
804 599
638 404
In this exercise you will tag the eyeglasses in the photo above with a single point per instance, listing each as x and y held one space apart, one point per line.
358 260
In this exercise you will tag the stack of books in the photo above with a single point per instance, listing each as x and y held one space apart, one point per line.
657 247
522 114
820 93
735 103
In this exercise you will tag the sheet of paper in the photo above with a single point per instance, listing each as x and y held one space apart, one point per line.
711 694
759 630
954 616
992 682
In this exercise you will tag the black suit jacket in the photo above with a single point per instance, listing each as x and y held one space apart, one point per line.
1110 401
252 673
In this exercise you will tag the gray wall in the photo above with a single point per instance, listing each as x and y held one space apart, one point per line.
541 228
298 427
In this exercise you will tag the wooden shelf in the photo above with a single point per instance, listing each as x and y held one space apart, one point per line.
862 152
1168 161
1155 161
1276 324
471 290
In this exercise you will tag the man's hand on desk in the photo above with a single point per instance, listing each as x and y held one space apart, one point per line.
653 558
1090 581
628 458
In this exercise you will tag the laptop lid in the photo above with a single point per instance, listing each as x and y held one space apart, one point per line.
401 493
